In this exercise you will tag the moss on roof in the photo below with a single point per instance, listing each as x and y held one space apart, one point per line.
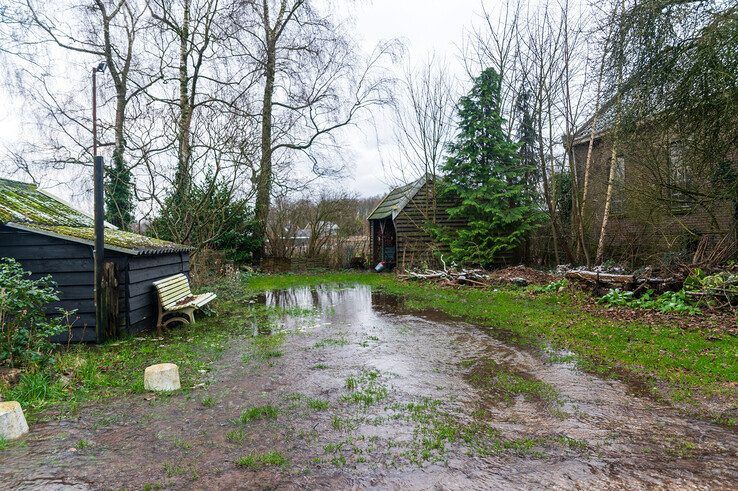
25 206
24 203
396 200
116 238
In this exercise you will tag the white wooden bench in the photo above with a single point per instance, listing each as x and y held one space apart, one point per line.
177 301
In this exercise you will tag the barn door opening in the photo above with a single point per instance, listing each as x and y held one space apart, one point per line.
387 241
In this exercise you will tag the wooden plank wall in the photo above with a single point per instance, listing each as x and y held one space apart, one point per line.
142 271
415 246
71 266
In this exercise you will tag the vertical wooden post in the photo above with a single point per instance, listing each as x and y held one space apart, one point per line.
100 315
110 300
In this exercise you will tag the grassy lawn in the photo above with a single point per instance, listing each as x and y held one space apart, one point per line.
681 365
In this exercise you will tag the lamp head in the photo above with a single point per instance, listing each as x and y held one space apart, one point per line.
101 67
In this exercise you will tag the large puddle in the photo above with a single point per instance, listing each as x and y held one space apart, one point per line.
370 394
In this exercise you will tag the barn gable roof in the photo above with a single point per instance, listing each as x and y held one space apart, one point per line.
397 199
25 207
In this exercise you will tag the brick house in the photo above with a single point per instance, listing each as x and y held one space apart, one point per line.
661 206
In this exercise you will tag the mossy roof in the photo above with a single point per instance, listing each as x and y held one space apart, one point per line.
397 199
26 207
24 203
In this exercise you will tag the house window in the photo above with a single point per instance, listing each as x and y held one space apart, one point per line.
617 203
680 177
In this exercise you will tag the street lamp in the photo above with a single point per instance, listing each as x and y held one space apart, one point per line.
100 68
98 182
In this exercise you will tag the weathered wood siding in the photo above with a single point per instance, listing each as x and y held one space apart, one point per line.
415 244
142 272
71 266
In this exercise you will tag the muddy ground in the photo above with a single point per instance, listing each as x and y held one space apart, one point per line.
361 393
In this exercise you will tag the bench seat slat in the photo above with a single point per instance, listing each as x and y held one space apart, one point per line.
171 279
195 301
171 286
175 296
178 293
174 287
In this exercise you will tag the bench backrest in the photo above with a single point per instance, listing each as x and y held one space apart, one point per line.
173 289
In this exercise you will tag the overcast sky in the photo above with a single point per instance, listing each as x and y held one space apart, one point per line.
425 27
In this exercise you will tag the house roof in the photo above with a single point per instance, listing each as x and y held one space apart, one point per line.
603 119
25 207
397 199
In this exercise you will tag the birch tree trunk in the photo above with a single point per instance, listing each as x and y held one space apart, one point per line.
264 182
182 177
615 131
608 203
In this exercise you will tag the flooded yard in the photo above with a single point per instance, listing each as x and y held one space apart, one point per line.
350 389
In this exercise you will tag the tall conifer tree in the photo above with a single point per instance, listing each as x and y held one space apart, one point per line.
485 175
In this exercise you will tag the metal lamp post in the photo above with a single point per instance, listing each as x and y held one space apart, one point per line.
98 176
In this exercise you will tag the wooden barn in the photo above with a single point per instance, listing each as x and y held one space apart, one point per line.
49 237
399 227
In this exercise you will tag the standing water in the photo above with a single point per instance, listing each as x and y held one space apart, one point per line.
363 392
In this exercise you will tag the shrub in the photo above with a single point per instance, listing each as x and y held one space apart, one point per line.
24 327
552 287
665 303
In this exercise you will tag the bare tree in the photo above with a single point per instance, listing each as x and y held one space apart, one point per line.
97 30
210 123
423 120
619 63
313 83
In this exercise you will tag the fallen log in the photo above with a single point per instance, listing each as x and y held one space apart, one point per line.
598 278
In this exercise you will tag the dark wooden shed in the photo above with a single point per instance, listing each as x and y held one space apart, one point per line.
49 237
400 225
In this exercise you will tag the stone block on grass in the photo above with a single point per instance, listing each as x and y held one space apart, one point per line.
12 421
162 378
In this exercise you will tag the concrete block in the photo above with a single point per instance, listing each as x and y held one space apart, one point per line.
162 378
12 421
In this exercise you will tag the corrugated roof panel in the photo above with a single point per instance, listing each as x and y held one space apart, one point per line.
396 200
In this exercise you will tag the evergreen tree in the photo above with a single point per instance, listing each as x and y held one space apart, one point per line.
527 137
218 219
486 177
119 206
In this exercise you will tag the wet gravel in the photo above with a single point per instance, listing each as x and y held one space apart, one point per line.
369 394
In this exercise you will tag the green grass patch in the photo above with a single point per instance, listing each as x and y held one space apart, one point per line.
666 357
236 435
318 404
503 383
435 430
366 388
256 461
84 373
265 347
258 412
687 365
327 342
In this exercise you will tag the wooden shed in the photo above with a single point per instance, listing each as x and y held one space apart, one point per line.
49 237
400 226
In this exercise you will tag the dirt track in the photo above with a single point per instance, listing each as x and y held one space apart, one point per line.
414 400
